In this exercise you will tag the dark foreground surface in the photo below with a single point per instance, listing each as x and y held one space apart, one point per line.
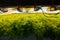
31 37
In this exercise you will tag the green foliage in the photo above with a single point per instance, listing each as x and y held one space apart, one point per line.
24 24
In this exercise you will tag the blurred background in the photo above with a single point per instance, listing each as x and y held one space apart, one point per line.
28 2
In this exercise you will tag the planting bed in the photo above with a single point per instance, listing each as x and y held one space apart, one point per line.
22 25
